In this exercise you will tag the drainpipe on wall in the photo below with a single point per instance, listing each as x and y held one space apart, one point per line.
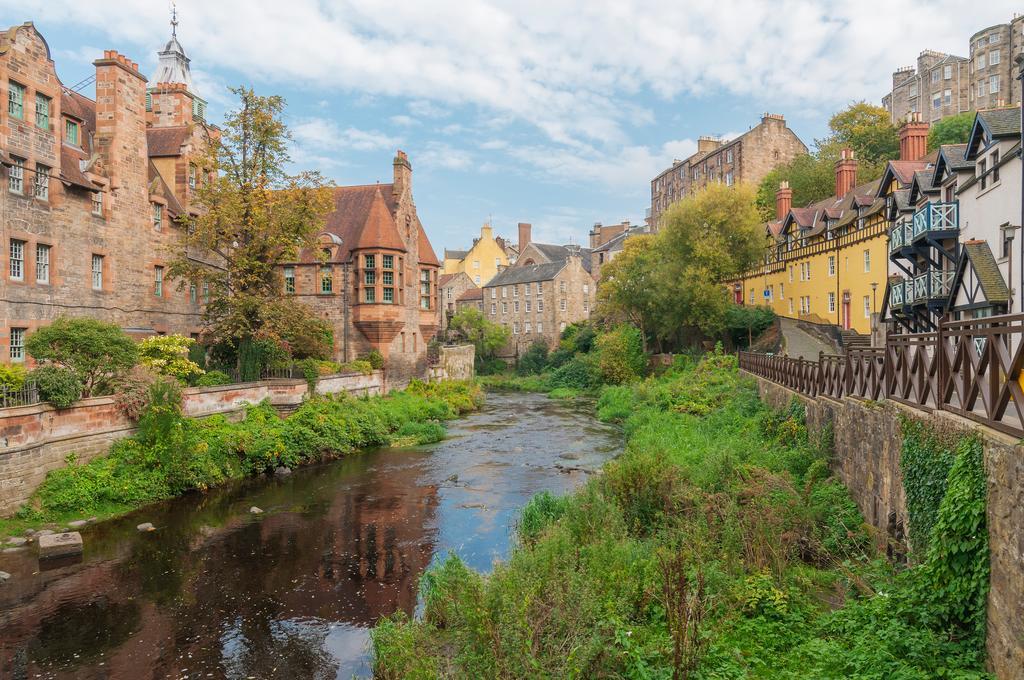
1020 156
344 311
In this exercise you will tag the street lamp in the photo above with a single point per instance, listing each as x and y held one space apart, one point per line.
874 287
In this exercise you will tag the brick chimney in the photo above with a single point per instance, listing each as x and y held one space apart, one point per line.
402 187
783 200
524 235
913 138
846 172
121 129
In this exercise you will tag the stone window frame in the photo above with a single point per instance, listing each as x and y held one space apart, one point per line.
41 183
562 304
997 55
540 305
158 281
97 273
427 288
16 176
16 259
494 308
43 109
326 279
16 347
158 215
515 307
993 84
43 262
97 203
16 100
193 293
72 132
289 279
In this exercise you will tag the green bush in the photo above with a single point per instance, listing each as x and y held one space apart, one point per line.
534 360
169 355
12 376
579 373
98 353
58 385
541 511
376 359
616 403
213 379
621 355
492 366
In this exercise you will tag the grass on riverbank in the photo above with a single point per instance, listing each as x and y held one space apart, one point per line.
172 454
717 545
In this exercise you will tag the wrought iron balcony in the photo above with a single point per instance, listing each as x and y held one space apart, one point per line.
933 285
900 235
936 217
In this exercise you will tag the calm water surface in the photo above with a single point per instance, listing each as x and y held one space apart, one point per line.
218 593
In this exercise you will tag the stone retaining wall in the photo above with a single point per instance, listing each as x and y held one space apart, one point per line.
454 363
867 459
38 438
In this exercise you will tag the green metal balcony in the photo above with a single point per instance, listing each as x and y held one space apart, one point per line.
936 219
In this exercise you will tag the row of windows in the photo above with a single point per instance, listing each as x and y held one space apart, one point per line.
43 107
40 185
528 307
531 287
387 280
527 327
805 267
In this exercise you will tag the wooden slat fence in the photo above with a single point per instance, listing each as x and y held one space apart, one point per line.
972 368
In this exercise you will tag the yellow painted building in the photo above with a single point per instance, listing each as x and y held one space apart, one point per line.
481 262
825 263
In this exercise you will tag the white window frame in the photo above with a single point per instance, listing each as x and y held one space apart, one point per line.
831 302
16 176
41 184
97 272
831 265
16 266
867 306
993 84
158 281
17 344
867 261
994 57
97 203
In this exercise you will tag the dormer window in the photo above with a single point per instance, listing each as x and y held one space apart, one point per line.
71 132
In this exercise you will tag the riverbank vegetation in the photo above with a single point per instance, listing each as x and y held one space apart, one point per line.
717 546
172 454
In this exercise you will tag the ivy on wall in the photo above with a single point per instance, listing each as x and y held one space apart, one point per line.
925 460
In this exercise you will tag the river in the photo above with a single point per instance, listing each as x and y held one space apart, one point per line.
218 592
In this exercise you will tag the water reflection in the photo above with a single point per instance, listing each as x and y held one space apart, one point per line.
217 592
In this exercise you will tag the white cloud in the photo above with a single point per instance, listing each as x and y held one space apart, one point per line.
327 135
441 155
404 121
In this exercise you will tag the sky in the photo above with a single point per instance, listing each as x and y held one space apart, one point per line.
550 112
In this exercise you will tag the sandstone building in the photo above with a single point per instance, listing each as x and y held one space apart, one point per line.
91 189
942 85
548 288
451 287
607 241
748 158
376 278
482 261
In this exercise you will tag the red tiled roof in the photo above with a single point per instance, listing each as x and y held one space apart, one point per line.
71 168
158 186
445 278
378 228
472 294
904 170
427 254
166 141
78 106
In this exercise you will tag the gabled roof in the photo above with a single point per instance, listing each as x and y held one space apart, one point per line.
922 184
455 254
167 141
71 162
526 274
950 160
473 293
993 124
78 106
556 253
159 187
378 229
978 255
351 209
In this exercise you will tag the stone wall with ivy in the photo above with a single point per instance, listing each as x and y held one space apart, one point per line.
940 491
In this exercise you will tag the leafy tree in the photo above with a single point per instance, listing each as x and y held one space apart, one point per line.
251 218
627 291
863 127
744 323
706 238
168 355
487 337
97 352
952 130
58 385
534 360
867 130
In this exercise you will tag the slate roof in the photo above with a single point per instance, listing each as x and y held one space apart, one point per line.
985 268
955 156
166 141
455 254
1002 122
526 274
557 253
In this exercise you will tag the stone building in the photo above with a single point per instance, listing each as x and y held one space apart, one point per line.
748 158
451 287
942 85
937 87
537 300
605 251
472 298
91 190
482 261
376 278
993 71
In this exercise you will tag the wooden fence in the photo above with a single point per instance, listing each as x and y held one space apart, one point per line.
972 368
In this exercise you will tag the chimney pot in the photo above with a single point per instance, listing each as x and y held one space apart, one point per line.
913 138
783 200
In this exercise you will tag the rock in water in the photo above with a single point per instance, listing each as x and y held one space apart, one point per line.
17 540
282 471
146 526
4 576
78 523
60 545
256 511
